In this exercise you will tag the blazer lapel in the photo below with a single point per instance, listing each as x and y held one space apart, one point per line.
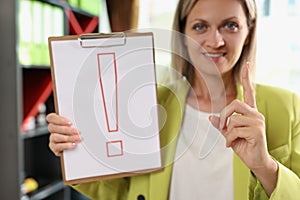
174 107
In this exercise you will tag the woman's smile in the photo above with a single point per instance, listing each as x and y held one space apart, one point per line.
214 56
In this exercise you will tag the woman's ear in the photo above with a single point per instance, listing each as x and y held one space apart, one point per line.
247 40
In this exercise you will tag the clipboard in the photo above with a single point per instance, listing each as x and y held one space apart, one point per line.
105 85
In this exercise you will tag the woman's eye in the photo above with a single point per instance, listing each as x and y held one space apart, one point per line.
199 27
232 26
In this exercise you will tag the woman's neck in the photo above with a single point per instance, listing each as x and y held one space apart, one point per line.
213 93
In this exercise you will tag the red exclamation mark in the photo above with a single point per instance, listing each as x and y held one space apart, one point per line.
108 77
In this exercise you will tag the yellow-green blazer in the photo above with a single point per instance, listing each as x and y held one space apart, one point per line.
282 116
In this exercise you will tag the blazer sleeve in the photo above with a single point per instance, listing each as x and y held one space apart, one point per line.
288 182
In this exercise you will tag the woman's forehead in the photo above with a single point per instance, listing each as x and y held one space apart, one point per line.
217 9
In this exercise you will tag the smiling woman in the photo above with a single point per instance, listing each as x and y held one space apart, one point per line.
223 136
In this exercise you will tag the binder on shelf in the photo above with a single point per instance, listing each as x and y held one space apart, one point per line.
57 21
105 85
37 33
47 31
25 27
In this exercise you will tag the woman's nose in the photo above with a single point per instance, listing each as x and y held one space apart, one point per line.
215 39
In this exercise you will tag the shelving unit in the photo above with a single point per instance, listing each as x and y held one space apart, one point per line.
10 105
26 152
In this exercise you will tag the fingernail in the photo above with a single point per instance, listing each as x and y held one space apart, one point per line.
76 138
227 145
69 123
76 132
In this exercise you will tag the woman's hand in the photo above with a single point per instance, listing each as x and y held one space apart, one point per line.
244 129
62 135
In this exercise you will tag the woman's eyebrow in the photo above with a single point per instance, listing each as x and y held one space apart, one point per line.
224 20
231 18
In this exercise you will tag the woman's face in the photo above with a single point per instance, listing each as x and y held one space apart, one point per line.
218 29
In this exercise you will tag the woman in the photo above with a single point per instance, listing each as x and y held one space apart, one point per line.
257 155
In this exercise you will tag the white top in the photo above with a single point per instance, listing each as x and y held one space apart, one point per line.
203 166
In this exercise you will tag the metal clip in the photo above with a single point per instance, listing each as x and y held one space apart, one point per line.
93 40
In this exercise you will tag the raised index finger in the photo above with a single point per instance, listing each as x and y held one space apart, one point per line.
249 96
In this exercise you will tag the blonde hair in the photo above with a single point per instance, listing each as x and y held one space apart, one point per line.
184 67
